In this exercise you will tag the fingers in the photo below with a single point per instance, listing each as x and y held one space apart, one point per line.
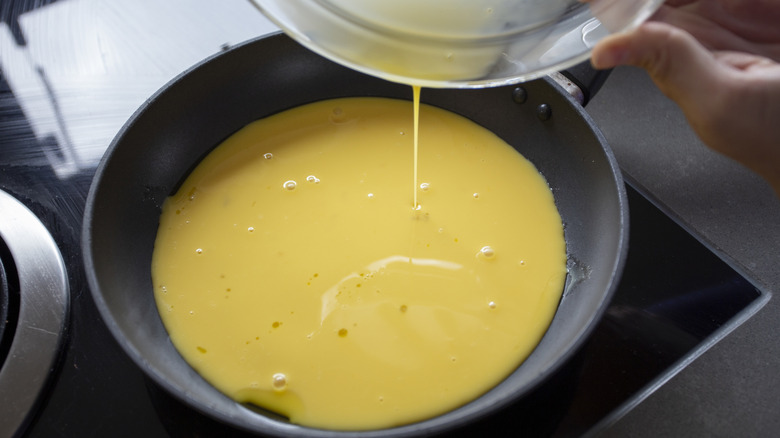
730 99
681 68
677 63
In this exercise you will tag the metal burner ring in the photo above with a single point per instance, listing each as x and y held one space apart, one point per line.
43 313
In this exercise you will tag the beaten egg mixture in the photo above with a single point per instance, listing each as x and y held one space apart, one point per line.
294 271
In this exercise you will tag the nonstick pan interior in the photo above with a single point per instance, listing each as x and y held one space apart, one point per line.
173 130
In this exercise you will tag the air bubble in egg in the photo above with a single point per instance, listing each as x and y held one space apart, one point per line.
279 382
487 252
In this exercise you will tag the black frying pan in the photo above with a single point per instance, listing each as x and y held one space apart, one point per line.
173 130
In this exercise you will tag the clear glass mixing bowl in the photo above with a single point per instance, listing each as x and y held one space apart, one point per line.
455 43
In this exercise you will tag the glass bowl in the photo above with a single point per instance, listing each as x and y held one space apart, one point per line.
455 43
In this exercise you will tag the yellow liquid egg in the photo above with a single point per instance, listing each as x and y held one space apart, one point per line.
294 271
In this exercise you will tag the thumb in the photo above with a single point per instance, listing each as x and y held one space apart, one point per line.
679 65
710 89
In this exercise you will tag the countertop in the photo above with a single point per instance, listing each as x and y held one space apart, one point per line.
78 69
733 388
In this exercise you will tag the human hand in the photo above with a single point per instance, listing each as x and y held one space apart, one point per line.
719 60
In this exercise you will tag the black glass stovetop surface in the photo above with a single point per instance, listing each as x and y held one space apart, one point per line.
675 297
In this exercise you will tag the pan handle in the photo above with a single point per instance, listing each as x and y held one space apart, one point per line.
585 79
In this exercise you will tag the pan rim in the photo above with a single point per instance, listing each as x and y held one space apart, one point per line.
439 424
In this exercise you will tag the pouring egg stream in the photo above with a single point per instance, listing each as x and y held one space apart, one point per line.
292 274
